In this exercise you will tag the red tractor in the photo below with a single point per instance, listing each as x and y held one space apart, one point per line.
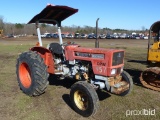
92 68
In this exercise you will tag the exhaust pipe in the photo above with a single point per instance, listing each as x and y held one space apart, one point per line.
97 42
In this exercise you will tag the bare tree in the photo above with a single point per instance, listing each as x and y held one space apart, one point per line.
1 22
143 28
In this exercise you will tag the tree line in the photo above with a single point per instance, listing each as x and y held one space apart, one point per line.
30 29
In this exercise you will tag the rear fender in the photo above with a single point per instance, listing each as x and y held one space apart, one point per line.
47 56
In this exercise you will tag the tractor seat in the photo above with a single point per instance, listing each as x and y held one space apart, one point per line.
55 48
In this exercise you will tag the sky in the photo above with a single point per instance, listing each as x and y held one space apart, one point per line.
114 14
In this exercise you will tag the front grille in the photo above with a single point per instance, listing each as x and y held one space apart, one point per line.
117 58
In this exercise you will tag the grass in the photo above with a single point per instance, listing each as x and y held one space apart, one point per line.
55 104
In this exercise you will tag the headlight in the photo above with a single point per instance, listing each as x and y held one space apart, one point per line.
116 71
121 69
113 71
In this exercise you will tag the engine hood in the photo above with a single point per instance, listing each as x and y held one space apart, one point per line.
95 50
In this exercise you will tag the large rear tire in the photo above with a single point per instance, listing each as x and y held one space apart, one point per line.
84 98
31 73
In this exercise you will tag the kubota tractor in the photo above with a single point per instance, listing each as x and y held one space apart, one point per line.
150 78
92 68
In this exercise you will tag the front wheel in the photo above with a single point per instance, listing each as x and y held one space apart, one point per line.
84 98
127 78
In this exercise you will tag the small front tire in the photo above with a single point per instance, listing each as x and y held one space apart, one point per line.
127 78
84 98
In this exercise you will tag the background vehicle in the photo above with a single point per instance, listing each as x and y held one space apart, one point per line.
48 36
132 36
69 36
91 36
91 68
137 36
63 36
83 36
44 35
9 36
116 36
150 77
77 35
102 36
55 35
127 36
108 36
123 36
145 37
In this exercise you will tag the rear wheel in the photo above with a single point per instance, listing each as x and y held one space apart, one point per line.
31 73
84 98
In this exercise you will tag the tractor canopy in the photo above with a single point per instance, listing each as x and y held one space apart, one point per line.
155 27
53 14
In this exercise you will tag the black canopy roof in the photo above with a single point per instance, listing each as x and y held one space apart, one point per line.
155 27
53 14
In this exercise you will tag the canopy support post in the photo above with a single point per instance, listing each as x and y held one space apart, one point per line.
38 33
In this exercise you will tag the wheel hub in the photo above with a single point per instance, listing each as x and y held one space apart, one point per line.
25 76
81 100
